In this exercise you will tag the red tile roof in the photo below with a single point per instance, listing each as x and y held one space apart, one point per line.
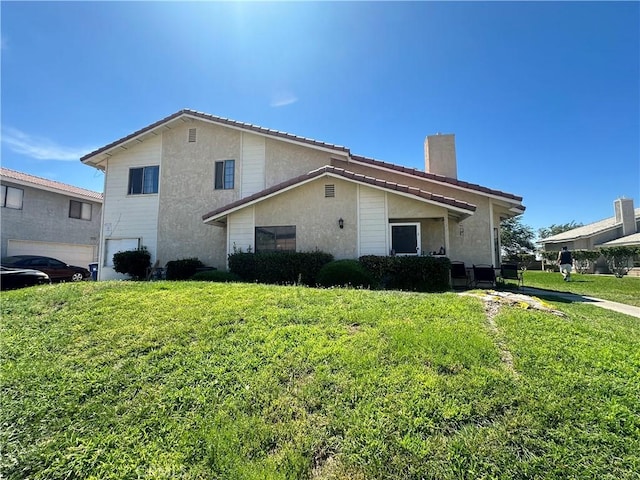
435 177
49 184
215 119
357 177
309 141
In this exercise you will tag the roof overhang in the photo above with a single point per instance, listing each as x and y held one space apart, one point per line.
514 201
99 157
454 207
94 197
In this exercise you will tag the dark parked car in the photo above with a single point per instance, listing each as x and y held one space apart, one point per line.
11 278
58 271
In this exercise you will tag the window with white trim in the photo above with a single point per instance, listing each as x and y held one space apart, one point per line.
405 238
80 210
143 180
276 239
224 174
12 197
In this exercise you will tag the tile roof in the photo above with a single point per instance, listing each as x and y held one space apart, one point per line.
587 230
215 119
356 177
435 177
308 141
70 190
629 240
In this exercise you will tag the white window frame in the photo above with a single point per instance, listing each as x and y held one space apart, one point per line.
6 191
418 238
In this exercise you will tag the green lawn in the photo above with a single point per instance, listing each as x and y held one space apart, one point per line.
623 290
234 381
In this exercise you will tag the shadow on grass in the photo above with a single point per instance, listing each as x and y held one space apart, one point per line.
557 296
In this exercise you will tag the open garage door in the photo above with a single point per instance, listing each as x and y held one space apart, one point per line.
71 253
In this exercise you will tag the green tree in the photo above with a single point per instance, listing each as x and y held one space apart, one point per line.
556 229
516 238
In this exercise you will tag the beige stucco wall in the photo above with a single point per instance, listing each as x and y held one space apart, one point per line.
187 192
286 160
474 244
316 217
187 186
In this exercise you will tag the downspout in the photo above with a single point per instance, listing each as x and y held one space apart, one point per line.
101 245
492 230
446 234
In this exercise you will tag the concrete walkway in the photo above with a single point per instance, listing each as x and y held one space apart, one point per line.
574 298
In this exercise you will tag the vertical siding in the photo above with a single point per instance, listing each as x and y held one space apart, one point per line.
130 216
372 222
253 164
241 230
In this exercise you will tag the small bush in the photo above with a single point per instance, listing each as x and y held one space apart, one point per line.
134 263
183 269
340 273
216 276
422 274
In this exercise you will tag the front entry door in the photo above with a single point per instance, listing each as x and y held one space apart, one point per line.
405 238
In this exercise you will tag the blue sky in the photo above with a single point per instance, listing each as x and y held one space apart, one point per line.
544 97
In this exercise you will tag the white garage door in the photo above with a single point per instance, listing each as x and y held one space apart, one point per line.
71 253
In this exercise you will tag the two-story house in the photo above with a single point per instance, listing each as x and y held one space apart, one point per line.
198 185
49 218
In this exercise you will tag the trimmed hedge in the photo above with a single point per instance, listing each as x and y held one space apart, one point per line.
422 274
216 276
341 273
279 267
134 263
183 269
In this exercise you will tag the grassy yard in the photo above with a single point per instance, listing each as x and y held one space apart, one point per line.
234 381
623 290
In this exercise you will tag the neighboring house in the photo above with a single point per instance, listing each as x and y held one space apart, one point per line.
620 230
197 185
45 217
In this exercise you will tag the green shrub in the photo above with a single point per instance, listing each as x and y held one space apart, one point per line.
279 267
134 263
620 259
183 269
216 276
340 273
420 273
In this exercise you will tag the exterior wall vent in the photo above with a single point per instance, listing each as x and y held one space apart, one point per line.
329 191
192 135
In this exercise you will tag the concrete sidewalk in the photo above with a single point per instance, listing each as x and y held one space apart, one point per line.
574 298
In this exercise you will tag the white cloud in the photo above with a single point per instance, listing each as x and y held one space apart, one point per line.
40 148
282 99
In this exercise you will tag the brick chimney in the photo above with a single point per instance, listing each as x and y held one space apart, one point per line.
625 215
440 155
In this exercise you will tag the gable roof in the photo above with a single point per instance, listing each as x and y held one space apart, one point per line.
96 157
188 113
587 230
461 207
49 185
